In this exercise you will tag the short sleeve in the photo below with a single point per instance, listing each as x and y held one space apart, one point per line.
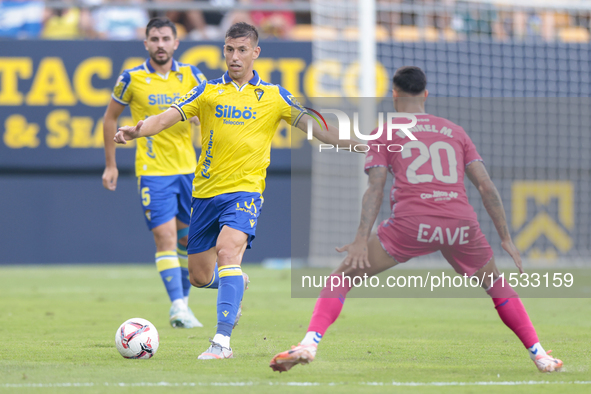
198 75
189 104
121 92
291 110
470 152
376 156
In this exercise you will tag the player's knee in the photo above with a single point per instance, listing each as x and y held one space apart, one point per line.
488 274
488 278
199 279
164 239
228 255
196 281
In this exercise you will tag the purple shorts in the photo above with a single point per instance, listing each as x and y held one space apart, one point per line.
461 241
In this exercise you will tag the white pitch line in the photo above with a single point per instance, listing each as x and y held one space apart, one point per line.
505 383
213 384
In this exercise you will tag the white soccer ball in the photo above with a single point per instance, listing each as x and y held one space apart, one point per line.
137 338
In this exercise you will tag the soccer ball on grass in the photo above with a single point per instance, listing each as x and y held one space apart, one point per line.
137 338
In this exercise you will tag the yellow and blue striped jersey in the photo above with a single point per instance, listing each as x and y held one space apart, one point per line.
237 126
148 93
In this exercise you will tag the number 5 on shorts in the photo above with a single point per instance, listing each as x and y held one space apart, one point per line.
145 192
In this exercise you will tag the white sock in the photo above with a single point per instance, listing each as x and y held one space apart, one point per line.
312 337
535 350
186 299
179 303
222 340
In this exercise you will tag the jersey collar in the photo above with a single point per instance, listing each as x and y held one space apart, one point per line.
148 67
255 80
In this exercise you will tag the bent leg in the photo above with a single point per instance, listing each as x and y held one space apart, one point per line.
508 304
513 314
201 241
330 302
329 306
202 268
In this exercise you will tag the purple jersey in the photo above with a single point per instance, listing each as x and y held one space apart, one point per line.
428 173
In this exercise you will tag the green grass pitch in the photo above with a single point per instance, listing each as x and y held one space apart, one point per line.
58 323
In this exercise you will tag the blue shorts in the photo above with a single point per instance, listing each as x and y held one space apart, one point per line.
166 197
239 211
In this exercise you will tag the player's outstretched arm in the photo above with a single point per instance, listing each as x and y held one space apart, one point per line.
330 136
111 172
494 206
146 128
357 254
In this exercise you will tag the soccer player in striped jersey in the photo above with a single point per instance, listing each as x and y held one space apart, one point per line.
239 115
164 164
430 212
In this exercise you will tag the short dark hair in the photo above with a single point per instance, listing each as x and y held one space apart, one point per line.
243 29
158 23
410 79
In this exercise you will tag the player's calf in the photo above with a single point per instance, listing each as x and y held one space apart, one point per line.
203 270
513 314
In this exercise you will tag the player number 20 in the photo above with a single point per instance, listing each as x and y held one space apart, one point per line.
432 152
145 196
